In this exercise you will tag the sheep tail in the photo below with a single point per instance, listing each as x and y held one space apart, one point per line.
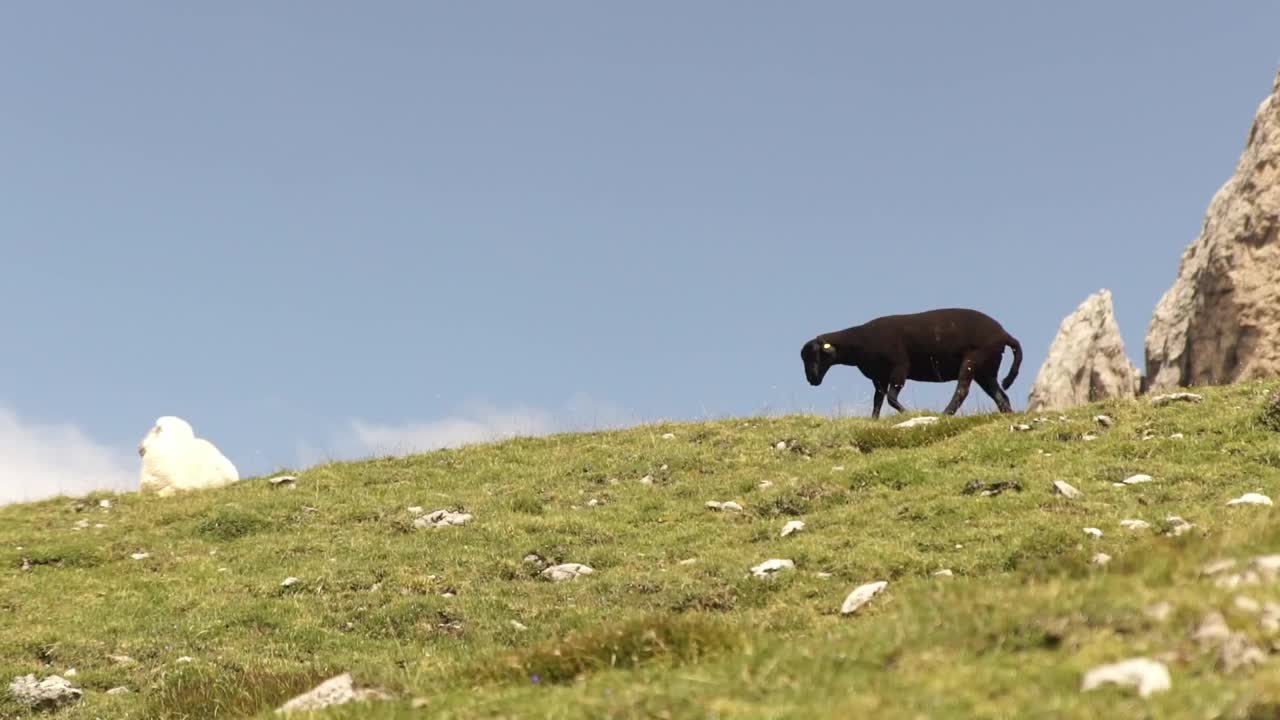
1012 342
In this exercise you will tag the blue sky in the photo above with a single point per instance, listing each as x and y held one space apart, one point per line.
328 229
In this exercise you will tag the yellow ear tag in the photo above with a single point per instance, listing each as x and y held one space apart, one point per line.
826 346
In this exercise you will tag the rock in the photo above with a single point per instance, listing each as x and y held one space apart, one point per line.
945 572
1246 604
338 690
118 690
1160 611
1066 490
71 672
1220 321
861 596
1135 479
1147 675
781 445
104 504
185 659
1270 620
646 480
1093 532
1217 566
1104 420
566 571
1086 360
770 567
120 659
534 559
1178 526
1089 437
43 694
1212 629
1170 398
792 527
1020 427
279 480
1250 499
593 502
416 510
519 625
140 556
1100 559
290 581
730 506
442 518
668 436
990 489
1235 649
1132 524
765 484
917 422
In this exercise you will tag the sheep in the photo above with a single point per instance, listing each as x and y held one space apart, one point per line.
174 459
934 346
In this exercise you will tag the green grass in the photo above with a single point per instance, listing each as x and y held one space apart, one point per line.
671 624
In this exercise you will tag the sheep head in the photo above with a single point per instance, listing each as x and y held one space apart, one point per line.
818 356
166 430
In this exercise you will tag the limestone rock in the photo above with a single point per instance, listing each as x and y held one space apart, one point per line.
771 567
1220 321
442 518
566 571
1086 360
861 596
337 690
1147 675
47 693
917 422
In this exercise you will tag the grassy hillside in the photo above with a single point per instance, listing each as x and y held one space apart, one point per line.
671 623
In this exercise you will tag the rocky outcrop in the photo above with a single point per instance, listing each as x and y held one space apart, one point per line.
1086 360
1220 322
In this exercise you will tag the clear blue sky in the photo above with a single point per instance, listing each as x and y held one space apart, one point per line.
325 229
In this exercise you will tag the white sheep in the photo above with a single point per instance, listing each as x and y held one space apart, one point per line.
174 459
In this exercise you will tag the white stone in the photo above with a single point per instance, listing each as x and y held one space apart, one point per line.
1093 532
442 518
1178 526
1020 427
668 436
118 690
1133 524
765 484
140 556
337 690
782 445
1244 603
50 692
283 480
1176 436
769 567
1217 566
1065 490
518 625
944 572
1251 499
1135 479
1147 675
792 527
1175 397
185 659
917 422
1100 559
1104 420
646 480
416 510
566 571
1089 437
861 596
104 504
730 506
290 581
1160 611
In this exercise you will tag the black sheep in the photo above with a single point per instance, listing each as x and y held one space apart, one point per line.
934 346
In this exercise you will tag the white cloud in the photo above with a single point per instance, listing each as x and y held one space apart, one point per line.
39 461
476 423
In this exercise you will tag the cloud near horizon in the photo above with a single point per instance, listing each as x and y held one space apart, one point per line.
39 461
475 423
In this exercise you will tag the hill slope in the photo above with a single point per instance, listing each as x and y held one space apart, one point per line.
671 623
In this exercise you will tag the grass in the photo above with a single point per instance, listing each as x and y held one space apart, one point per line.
671 624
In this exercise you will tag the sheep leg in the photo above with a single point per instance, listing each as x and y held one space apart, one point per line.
962 386
991 386
897 379
877 401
